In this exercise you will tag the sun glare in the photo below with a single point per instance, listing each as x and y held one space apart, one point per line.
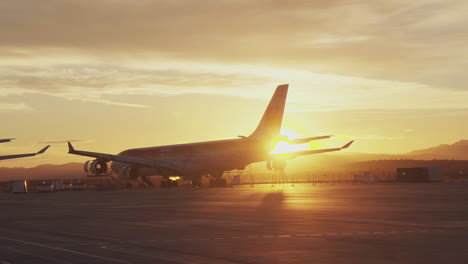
290 133
283 147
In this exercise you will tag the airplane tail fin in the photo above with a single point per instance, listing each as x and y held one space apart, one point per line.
270 125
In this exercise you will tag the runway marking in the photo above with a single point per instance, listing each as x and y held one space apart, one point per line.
180 260
188 239
43 257
62 249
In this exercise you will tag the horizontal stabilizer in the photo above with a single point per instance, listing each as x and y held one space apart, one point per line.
317 151
306 140
6 140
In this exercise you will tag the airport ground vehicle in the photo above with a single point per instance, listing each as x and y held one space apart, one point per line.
58 185
77 185
19 186
45 187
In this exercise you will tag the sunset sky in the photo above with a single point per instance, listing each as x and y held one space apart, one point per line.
112 75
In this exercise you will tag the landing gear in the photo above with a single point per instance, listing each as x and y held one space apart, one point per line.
168 184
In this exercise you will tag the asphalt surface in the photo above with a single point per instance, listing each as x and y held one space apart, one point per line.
367 223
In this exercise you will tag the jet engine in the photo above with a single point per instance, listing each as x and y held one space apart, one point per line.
128 173
95 166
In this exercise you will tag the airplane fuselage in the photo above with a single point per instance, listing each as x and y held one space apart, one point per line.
212 157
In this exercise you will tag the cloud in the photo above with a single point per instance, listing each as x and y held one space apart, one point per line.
98 82
7 107
63 141
394 54
381 137
310 91
418 41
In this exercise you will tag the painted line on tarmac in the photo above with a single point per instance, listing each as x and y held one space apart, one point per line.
50 259
251 237
63 250
179 260
301 235
185 259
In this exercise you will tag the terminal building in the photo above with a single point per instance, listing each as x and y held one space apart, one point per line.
422 174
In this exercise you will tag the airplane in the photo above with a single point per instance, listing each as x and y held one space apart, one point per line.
193 160
20 155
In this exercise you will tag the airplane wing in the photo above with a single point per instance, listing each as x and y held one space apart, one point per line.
125 159
6 140
308 152
24 155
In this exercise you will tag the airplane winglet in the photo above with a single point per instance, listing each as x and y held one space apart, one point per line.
6 140
347 145
43 150
70 148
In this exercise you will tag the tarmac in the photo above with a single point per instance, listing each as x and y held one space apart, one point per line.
305 223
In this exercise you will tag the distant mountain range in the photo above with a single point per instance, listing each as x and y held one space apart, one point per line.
47 171
456 151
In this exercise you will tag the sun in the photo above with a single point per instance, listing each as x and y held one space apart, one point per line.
283 147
